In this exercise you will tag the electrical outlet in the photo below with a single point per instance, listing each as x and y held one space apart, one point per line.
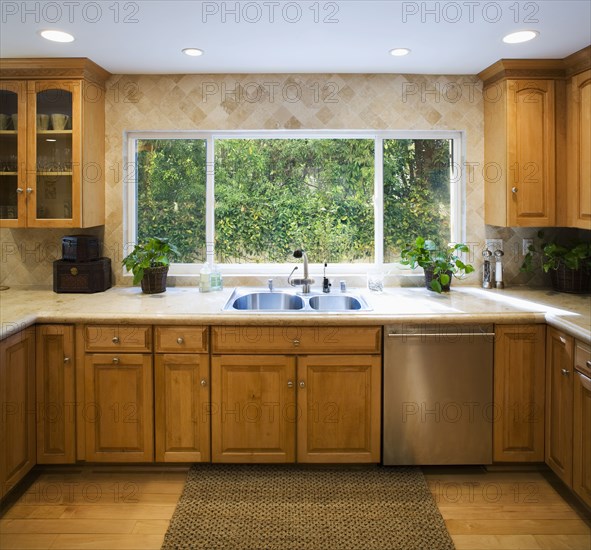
525 244
494 244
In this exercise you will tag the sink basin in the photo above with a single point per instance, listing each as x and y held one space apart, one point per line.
269 301
335 303
280 300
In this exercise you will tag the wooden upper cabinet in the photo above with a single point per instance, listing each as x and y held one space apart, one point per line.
578 192
52 168
520 152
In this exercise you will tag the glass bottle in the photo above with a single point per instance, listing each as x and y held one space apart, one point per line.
205 278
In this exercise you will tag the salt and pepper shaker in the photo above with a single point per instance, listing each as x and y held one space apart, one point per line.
486 274
499 269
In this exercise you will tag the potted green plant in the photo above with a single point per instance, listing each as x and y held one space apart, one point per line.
438 264
569 266
149 264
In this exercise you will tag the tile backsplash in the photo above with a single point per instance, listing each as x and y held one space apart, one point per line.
268 102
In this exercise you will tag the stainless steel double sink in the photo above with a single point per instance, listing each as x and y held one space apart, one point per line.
279 300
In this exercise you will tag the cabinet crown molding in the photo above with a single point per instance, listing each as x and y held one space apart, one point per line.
66 68
537 68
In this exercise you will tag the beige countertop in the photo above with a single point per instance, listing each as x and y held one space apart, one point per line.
22 307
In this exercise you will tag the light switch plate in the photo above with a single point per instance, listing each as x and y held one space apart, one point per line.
494 244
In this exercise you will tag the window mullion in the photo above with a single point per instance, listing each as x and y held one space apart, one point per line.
210 200
379 200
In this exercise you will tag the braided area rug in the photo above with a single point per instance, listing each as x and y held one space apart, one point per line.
290 507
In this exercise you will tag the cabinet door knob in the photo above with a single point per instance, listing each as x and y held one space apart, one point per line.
115 360
588 363
290 384
203 382
19 190
66 359
29 190
115 339
514 189
180 340
564 372
295 342
562 339
302 384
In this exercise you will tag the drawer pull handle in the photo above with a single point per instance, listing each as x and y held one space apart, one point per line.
203 382
66 359
115 360
115 339
290 384
564 372
180 340
302 384
295 342
562 339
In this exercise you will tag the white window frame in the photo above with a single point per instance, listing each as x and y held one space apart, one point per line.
457 191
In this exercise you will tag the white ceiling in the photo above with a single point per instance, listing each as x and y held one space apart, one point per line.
281 36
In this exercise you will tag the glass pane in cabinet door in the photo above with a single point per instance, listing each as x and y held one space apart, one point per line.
8 154
54 154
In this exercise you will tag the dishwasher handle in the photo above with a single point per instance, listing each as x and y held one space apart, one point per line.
440 335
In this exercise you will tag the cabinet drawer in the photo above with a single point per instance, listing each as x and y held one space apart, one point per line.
121 338
297 340
583 358
180 339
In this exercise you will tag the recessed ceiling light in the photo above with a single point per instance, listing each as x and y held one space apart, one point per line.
399 52
193 52
56 36
520 36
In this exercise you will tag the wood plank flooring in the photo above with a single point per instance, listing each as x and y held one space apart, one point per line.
129 508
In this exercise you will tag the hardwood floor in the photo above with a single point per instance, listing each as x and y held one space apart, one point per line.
126 508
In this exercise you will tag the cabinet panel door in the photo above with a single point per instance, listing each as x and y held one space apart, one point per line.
253 410
118 410
582 438
181 384
519 383
531 178
17 402
559 404
339 408
579 151
56 424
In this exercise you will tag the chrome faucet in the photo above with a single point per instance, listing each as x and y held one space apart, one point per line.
306 281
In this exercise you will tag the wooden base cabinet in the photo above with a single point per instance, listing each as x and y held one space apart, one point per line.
56 410
253 408
519 383
582 423
17 407
339 408
119 407
181 389
559 404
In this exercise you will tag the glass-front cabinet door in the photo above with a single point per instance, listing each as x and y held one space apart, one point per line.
53 163
13 146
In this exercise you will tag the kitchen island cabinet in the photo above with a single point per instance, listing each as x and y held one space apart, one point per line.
17 402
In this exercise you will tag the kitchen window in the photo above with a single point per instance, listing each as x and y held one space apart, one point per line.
247 200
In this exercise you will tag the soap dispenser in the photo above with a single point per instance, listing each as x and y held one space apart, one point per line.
205 278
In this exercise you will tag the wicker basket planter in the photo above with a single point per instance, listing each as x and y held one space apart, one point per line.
154 280
575 281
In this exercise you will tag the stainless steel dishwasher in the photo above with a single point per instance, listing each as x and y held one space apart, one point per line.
438 393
